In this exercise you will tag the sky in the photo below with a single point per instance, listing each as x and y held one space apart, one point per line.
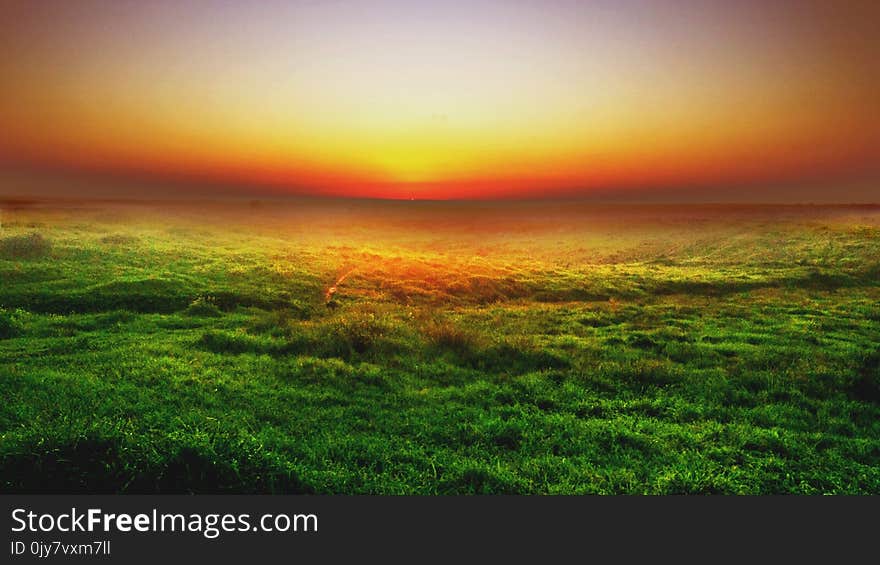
770 100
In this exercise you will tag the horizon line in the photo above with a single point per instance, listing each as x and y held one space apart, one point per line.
18 199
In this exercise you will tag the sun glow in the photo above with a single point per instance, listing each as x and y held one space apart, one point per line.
445 100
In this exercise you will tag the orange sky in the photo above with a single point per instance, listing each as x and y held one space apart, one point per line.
474 99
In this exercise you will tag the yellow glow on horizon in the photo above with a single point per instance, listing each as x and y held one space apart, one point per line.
336 97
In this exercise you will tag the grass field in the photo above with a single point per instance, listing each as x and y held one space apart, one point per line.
439 348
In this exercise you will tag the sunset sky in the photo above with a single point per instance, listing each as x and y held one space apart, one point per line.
445 99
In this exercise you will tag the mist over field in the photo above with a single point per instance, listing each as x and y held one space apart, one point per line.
398 347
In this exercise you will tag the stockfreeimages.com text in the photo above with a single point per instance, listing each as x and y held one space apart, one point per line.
209 525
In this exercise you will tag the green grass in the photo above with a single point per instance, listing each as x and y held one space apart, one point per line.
468 350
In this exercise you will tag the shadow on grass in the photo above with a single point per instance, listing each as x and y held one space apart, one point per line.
370 336
153 295
119 239
816 280
471 349
31 246
96 464
866 386
10 324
